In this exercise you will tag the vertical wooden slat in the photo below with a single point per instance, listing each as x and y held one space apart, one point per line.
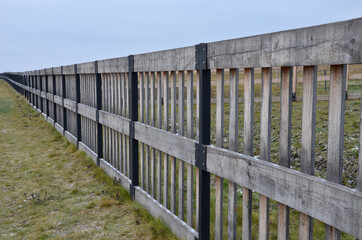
233 146
219 185
153 112
159 125
265 148
248 148
336 132
190 134
124 102
284 142
173 130
308 139
181 129
113 109
147 120
166 123
128 116
359 177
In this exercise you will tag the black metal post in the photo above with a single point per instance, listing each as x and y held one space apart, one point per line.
41 89
133 146
36 88
64 95
99 107
77 92
33 88
46 92
54 93
204 139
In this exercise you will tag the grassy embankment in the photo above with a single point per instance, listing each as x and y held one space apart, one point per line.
49 190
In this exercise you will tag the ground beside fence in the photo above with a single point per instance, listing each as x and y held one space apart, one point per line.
48 189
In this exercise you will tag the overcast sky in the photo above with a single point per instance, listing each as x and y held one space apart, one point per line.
37 34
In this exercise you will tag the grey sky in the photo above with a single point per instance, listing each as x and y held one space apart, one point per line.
36 34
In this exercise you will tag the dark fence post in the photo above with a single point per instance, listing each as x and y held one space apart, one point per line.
64 95
31 88
46 92
77 92
41 89
204 139
36 88
54 93
133 107
99 107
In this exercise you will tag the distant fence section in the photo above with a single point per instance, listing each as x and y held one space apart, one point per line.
142 121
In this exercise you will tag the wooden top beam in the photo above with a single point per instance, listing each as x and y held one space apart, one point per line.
328 44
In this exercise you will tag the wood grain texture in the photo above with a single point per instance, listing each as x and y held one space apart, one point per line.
166 142
248 147
167 60
173 130
166 126
181 131
308 139
359 178
285 142
189 167
157 210
219 183
328 202
159 125
233 146
336 131
334 43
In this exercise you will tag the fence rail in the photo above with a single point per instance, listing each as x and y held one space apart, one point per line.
141 119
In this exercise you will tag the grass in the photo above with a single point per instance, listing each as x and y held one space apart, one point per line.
49 190
350 151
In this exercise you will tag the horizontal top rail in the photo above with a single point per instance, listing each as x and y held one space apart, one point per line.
327 44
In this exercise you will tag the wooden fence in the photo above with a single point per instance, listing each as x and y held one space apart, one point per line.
160 151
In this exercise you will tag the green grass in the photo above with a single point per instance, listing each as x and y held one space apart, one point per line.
49 190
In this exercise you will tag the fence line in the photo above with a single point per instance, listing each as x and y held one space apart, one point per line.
140 119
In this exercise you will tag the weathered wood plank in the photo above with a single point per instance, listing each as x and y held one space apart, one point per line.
359 178
70 104
285 142
336 132
167 60
114 121
166 142
328 202
165 123
87 111
159 125
113 65
334 43
115 174
181 131
248 147
71 138
147 120
173 130
177 226
153 123
308 139
219 185
88 67
233 146
83 147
